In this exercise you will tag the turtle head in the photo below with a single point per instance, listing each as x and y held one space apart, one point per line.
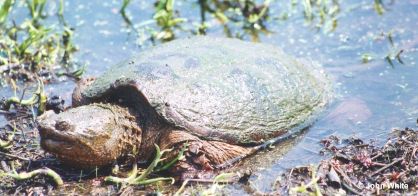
90 135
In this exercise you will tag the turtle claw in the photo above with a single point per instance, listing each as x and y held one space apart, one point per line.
200 158
183 171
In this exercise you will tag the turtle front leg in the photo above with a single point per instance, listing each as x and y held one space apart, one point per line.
202 157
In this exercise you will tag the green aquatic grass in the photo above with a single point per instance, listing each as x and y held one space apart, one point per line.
157 165
378 6
240 19
166 19
160 27
122 11
142 179
392 56
28 175
8 143
31 46
321 14
5 10
37 99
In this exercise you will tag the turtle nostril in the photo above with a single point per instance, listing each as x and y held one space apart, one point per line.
62 125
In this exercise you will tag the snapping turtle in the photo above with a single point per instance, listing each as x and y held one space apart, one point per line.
224 97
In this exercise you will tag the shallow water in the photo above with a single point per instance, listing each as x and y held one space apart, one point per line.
371 98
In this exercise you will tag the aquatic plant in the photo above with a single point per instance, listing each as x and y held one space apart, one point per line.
166 19
31 47
8 143
38 98
142 179
236 15
230 14
394 54
28 175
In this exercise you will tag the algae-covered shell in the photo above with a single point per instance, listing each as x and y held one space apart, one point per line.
221 89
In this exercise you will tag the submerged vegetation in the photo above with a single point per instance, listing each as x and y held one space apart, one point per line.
392 56
237 18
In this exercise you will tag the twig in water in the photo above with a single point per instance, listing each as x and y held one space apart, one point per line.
385 167
14 156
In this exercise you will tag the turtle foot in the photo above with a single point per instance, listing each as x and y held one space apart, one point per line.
201 157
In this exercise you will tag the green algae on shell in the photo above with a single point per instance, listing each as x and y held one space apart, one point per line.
220 89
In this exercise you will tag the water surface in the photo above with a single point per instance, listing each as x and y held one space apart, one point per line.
370 98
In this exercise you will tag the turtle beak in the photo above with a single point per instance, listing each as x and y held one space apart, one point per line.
52 132
46 123
59 138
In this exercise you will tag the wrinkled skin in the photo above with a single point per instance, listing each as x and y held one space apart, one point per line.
98 134
114 133
95 134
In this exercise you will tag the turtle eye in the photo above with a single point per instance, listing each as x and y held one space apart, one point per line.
62 125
